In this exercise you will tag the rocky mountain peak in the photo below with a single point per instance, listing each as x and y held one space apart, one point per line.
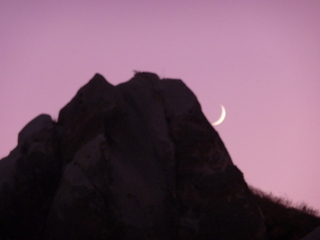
134 161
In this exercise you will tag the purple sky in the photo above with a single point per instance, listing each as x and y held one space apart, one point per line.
260 59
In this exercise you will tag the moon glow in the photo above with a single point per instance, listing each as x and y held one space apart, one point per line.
221 118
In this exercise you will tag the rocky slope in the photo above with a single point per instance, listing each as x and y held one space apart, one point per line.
134 161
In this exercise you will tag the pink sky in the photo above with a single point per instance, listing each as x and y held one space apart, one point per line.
260 59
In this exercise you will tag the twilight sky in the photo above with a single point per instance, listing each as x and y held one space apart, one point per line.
260 59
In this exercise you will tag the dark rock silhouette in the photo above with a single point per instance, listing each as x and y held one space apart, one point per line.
133 161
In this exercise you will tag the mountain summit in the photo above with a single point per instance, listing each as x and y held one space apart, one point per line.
134 161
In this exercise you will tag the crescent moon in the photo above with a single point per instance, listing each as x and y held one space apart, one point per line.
221 118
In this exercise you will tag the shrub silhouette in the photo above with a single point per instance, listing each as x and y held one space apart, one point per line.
285 220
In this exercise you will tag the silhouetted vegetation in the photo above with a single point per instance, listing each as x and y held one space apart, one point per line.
285 220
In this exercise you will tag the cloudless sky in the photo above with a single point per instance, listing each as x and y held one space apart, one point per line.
260 59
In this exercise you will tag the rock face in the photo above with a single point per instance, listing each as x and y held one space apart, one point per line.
134 161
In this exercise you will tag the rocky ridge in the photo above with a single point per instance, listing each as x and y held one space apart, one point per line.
134 161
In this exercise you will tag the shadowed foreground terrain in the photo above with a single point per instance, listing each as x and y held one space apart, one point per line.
285 220
134 161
